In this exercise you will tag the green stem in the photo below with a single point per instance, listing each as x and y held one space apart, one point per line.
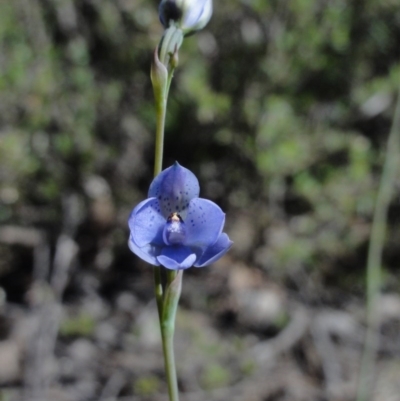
172 294
158 290
161 106
169 363
161 110
374 262
167 298
170 44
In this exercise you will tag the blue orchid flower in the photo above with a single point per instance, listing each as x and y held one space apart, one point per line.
188 15
174 227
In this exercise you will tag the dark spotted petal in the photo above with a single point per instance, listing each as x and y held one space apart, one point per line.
174 188
204 223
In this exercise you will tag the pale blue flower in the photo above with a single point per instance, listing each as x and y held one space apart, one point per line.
175 228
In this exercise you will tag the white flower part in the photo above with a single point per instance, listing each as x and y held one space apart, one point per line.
188 15
196 14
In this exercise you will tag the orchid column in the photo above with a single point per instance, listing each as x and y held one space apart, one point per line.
174 229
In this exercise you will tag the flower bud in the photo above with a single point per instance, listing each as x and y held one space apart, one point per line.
188 15
174 60
159 77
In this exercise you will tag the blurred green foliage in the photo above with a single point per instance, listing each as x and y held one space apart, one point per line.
215 376
281 107
82 324
146 386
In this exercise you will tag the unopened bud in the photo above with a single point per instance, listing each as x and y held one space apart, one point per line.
159 76
174 60
188 15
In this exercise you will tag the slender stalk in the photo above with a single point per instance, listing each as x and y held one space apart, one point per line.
167 296
161 111
158 290
171 300
161 106
170 44
169 363
374 262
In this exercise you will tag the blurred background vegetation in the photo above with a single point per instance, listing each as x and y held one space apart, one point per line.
281 108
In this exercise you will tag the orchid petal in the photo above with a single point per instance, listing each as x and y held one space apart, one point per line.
215 251
177 257
174 188
204 223
148 252
197 15
147 223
